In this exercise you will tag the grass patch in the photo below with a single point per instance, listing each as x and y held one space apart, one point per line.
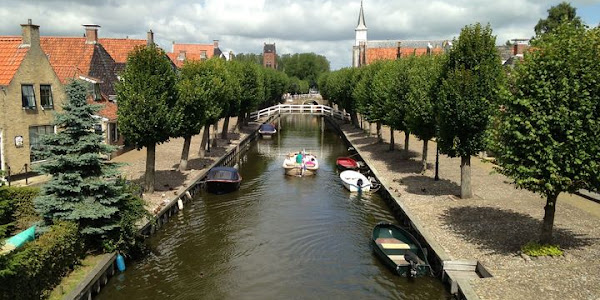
69 282
535 249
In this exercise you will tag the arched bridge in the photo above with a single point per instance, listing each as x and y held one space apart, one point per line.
300 109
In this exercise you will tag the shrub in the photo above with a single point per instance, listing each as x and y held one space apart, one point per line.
16 209
535 249
28 273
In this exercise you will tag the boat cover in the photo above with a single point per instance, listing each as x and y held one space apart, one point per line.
223 173
267 128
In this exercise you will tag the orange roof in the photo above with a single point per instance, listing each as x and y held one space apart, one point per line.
120 48
69 54
11 57
374 54
188 56
108 109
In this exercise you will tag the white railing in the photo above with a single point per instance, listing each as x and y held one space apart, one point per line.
281 109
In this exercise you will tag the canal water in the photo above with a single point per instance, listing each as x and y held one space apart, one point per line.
278 237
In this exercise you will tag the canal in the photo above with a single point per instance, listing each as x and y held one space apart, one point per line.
278 237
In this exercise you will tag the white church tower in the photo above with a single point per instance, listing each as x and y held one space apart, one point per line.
360 40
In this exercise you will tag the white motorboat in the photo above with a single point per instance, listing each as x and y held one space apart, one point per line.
355 182
309 165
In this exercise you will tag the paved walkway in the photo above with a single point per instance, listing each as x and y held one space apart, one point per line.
492 226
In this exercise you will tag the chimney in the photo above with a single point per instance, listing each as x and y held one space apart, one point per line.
398 50
31 35
519 47
150 39
91 33
216 44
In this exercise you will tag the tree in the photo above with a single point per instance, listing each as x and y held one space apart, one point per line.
305 66
547 135
562 13
82 188
363 94
251 87
146 94
340 85
197 102
420 117
468 88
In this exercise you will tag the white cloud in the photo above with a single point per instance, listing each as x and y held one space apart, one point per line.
324 27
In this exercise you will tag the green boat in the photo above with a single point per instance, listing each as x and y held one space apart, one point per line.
400 251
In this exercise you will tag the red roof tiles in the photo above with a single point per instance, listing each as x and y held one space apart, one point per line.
179 62
209 49
119 49
69 54
11 57
374 54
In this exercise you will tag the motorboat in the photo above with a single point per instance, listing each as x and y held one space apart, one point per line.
307 167
266 130
346 163
220 180
399 250
355 181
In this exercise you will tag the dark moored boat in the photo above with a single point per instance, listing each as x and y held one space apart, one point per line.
346 163
266 130
223 180
399 250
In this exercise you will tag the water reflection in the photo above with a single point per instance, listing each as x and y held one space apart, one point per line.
277 237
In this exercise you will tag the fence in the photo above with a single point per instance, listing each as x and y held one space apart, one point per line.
280 109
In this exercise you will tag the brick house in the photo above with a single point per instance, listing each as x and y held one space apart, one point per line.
365 52
270 56
199 52
30 93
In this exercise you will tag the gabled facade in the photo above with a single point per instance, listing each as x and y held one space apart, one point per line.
198 52
365 52
270 56
30 93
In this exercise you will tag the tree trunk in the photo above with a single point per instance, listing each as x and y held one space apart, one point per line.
204 142
185 153
406 144
379 137
354 118
216 134
424 157
245 117
150 164
392 141
240 122
370 128
465 177
225 128
548 223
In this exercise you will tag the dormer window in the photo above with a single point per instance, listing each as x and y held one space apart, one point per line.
27 96
203 55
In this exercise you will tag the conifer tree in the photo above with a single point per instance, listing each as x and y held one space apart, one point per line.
82 188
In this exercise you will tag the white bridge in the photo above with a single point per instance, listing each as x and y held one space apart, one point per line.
304 109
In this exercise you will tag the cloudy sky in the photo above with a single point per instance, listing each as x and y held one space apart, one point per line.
322 27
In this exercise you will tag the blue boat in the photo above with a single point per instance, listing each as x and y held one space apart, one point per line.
266 130
220 180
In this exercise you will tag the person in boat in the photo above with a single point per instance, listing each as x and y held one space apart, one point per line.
299 158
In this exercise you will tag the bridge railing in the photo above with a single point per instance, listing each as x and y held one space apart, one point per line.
322 110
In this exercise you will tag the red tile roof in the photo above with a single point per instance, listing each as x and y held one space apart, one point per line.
69 54
178 62
195 49
374 54
108 109
120 48
10 58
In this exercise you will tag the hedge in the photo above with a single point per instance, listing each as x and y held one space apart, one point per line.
16 209
31 272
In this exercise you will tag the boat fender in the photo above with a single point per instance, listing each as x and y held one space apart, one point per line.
180 204
120 262
188 195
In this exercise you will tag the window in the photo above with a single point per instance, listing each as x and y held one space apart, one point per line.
113 132
35 133
97 94
203 55
46 96
28 96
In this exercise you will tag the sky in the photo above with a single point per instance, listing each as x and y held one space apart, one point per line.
323 27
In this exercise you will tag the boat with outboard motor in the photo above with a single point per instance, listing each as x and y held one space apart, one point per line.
220 180
300 164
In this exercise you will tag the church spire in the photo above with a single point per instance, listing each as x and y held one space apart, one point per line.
361 18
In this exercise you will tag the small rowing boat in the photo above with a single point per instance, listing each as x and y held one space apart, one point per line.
346 163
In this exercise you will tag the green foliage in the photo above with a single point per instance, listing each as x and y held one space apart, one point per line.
146 94
468 92
535 249
30 272
305 66
423 74
251 86
363 93
275 84
390 89
82 187
202 87
249 57
16 209
547 136
557 15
